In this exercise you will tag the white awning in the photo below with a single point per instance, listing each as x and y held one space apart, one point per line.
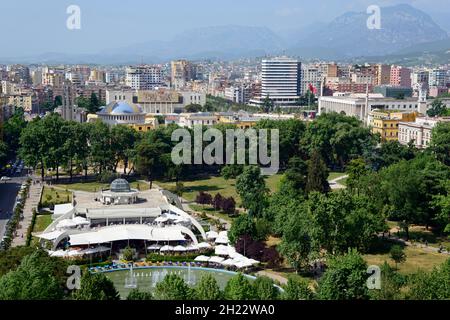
179 249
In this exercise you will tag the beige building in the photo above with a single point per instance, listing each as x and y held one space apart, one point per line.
419 131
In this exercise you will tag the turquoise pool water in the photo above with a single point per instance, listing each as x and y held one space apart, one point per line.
146 278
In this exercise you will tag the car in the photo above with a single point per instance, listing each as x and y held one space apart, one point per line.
5 178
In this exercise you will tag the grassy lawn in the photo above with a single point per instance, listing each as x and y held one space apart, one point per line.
415 259
211 211
55 196
213 185
420 234
42 222
97 186
335 175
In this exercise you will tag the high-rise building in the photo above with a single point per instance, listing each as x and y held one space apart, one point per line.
421 78
310 76
280 81
383 75
144 77
438 78
400 76
181 71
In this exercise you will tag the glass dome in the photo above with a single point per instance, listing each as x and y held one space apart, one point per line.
122 107
120 185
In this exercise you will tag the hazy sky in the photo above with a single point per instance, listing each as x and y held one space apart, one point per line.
34 27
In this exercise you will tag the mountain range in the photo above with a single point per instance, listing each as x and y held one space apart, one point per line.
405 30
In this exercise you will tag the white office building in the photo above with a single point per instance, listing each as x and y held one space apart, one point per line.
144 77
280 81
438 78
310 75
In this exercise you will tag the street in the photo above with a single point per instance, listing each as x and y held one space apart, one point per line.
8 195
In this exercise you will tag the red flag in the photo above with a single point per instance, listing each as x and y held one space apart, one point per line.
312 89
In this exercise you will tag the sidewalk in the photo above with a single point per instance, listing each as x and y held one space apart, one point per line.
31 202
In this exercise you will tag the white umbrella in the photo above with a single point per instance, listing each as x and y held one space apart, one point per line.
222 240
223 234
166 248
243 264
221 250
59 253
228 262
192 247
95 250
74 253
231 250
179 249
203 245
237 256
211 235
154 247
253 261
202 259
216 259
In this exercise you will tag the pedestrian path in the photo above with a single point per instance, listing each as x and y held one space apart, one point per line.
31 202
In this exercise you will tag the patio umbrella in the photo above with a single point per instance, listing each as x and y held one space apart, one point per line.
154 247
166 248
211 235
221 250
228 262
203 245
179 249
216 259
202 259
192 247
222 240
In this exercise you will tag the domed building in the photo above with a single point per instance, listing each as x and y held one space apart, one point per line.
119 192
122 112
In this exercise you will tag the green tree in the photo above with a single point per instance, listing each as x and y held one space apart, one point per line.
438 108
100 151
173 288
136 294
96 287
355 170
297 289
440 142
391 283
267 104
296 244
265 289
193 108
239 288
123 139
345 278
317 179
242 225
34 279
251 187
434 285
208 289
397 254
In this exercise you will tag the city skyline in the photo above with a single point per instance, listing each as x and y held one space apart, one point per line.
120 25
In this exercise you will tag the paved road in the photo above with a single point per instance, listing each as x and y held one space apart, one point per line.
8 195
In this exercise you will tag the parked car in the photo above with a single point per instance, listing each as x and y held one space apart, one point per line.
5 178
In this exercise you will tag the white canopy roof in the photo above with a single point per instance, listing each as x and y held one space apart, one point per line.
50 235
61 209
131 232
